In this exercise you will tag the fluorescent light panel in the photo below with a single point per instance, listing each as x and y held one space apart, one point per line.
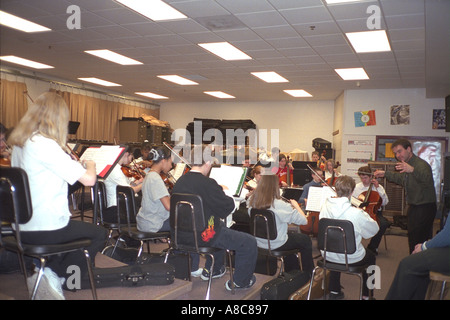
340 1
15 22
155 10
25 62
352 74
369 41
298 93
270 77
225 51
100 82
219 94
178 80
151 95
113 57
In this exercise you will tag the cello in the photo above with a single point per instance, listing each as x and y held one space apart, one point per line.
371 201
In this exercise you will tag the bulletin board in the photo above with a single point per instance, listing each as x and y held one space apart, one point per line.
431 149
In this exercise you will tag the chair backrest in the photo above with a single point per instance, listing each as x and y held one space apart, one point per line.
336 235
15 200
263 224
187 219
126 194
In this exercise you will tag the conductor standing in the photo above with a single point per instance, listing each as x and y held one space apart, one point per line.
416 176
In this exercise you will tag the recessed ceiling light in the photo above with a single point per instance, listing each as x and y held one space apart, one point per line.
225 50
298 93
178 80
100 82
219 94
369 41
352 74
339 1
12 21
151 95
25 62
113 57
156 10
270 77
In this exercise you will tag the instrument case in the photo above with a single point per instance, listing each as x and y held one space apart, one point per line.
282 287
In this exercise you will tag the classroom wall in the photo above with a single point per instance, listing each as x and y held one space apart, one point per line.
298 122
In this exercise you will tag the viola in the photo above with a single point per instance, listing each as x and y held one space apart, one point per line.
168 180
332 180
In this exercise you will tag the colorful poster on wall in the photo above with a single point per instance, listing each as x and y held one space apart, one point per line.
400 115
438 118
365 118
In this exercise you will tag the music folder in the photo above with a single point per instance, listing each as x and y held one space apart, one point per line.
231 177
105 158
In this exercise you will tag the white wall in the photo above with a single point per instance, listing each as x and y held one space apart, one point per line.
298 122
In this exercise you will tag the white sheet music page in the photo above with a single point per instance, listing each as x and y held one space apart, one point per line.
317 197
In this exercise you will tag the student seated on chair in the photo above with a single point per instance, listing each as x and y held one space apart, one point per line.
412 277
39 147
217 206
267 196
365 174
118 177
365 227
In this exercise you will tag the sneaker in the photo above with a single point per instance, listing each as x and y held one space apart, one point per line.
48 289
251 283
217 274
336 295
197 273
55 282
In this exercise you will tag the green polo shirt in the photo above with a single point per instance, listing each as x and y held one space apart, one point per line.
419 185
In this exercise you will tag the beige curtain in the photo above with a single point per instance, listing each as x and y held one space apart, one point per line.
13 102
99 119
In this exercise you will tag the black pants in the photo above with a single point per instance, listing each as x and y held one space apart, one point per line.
420 223
412 277
335 277
303 243
73 231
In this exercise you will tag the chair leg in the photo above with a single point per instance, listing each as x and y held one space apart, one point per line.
231 272
208 291
311 282
91 274
23 267
140 249
39 277
281 267
361 284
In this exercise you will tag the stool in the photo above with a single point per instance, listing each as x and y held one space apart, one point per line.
436 277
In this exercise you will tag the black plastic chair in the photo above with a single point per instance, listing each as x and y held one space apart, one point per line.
126 194
263 225
101 203
187 218
16 209
337 236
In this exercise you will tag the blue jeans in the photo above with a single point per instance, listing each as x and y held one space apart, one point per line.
245 252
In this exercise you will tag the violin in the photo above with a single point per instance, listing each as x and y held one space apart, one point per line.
5 162
188 165
168 180
131 173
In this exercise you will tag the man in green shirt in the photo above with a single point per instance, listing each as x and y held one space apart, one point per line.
416 176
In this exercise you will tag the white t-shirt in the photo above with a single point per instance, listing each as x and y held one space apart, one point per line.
152 213
115 178
49 169
360 188
285 214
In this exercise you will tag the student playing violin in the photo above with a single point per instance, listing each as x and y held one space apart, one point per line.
119 177
365 174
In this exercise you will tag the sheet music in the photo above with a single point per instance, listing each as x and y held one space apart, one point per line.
105 158
231 177
317 197
178 171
